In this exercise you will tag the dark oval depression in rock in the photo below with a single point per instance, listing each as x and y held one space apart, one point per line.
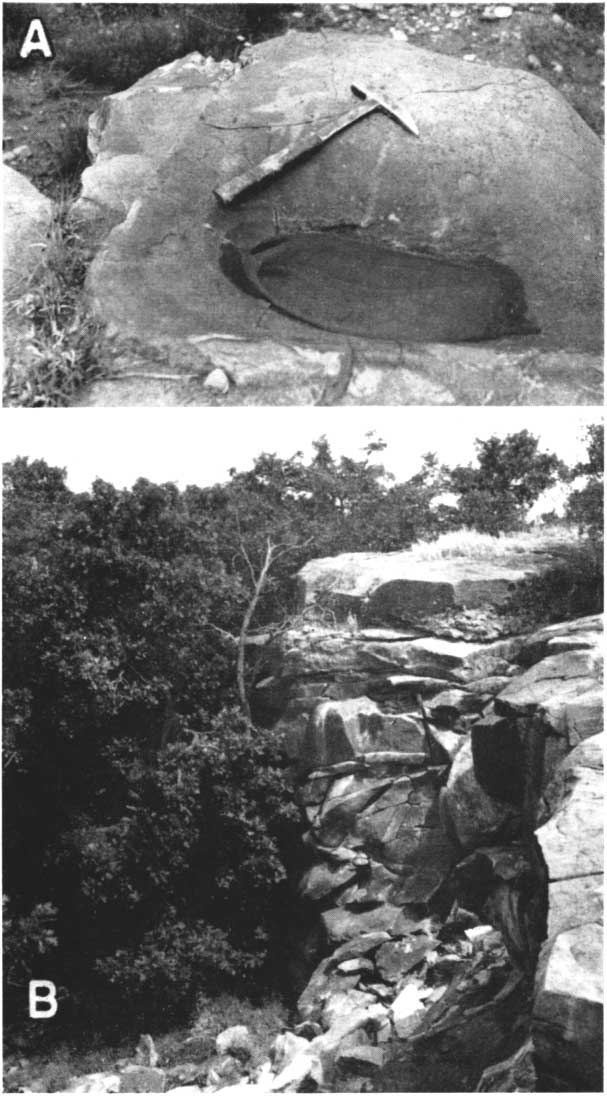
346 284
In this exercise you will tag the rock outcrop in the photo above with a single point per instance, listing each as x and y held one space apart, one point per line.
446 783
486 179
567 1021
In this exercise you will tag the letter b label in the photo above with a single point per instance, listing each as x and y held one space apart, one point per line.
43 1000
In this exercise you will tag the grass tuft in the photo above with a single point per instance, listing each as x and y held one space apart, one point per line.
52 344
213 1014
468 544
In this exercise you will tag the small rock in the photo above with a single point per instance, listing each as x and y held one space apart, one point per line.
355 966
397 34
557 68
185 1090
406 1010
468 57
304 1067
226 1071
308 1030
361 1059
437 994
229 1069
477 931
399 957
186 1075
384 1033
515 1074
236 1041
496 11
146 1053
339 1007
533 62
558 19
446 964
22 151
95 1084
142 1079
217 381
445 745
287 1045
361 945
381 991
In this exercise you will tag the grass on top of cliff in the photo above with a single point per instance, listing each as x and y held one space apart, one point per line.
469 544
568 585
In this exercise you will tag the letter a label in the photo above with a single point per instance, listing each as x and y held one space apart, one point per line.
36 40
43 999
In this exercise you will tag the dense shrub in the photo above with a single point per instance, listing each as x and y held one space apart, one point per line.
588 16
571 588
29 943
183 892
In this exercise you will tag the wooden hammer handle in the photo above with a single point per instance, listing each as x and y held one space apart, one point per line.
227 192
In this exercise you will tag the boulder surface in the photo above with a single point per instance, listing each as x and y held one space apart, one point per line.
486 180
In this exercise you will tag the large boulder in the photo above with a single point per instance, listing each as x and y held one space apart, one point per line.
565 689
342 730
471 816
402 587
486 178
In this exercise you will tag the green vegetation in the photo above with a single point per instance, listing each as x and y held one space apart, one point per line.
147 820
64 348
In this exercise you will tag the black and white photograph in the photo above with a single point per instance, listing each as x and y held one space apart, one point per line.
324 204
302 439
303 765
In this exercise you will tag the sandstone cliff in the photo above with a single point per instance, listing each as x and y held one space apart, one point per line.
450 777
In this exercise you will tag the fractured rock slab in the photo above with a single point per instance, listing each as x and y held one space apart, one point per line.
398 587
340 730
343 925
567 1022
470 814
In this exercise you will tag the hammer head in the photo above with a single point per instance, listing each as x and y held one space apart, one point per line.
383 103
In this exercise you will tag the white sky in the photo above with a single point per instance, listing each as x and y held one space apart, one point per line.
199 445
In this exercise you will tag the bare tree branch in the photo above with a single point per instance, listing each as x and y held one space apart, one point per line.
259 585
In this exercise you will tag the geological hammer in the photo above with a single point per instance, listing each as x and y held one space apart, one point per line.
371 96
315 137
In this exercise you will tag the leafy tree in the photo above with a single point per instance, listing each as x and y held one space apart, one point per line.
510 475
118 615
586 505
